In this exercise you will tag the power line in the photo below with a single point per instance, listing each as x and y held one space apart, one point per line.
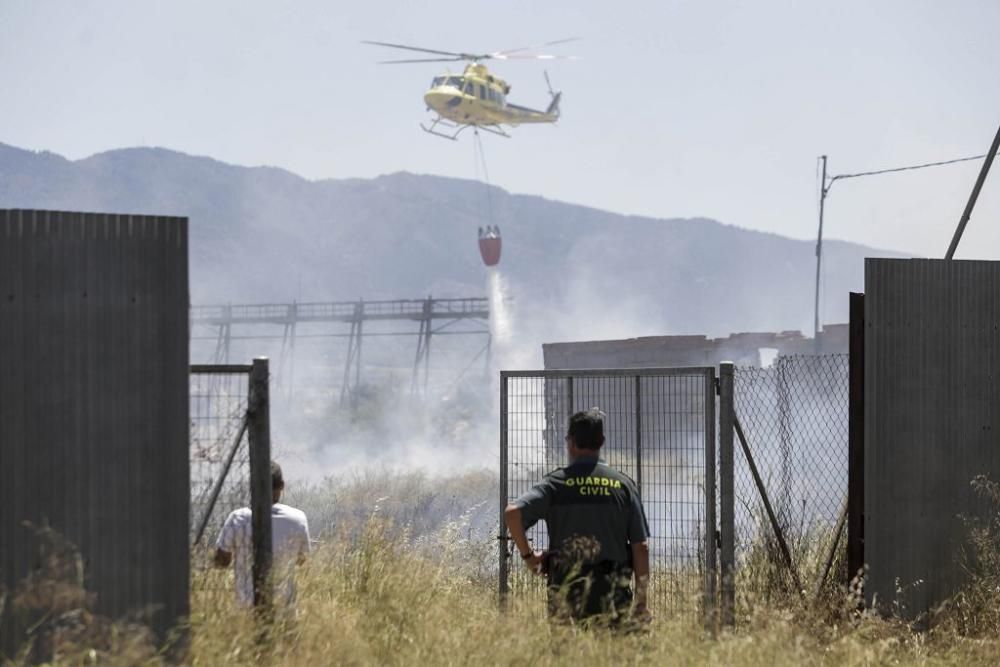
826 182
925 165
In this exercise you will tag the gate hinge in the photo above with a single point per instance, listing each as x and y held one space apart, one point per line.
718 387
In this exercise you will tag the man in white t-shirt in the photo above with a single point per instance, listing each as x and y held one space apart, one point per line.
290 544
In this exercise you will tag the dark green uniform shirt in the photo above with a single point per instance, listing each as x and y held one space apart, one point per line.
590 509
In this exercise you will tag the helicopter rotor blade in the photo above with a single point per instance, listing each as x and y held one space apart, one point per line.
419 60
536 56
461 56
509 52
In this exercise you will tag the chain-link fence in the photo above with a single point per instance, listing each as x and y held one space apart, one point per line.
794 415
792 419
230 471
220 455
660 430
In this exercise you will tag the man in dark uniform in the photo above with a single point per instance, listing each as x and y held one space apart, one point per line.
597 531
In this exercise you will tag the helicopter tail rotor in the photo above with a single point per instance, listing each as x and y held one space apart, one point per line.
556 97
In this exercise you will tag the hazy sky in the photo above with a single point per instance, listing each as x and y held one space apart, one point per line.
676 108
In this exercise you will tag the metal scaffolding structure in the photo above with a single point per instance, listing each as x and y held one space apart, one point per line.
433 316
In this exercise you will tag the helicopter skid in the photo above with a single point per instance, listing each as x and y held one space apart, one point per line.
433 129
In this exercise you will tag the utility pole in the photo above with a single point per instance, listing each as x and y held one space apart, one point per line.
827 182
967 213
819 248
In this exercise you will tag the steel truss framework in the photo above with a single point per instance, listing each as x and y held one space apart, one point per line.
433 316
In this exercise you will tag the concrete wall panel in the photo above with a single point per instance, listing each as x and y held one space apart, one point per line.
744 349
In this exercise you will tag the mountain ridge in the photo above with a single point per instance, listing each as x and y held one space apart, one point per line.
264 233
389 176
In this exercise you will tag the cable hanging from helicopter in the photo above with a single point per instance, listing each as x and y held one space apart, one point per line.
477 98
489 242
489 239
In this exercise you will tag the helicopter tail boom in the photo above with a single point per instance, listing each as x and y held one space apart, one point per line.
519 114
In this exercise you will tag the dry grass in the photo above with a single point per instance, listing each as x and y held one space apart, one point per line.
375 593
381 601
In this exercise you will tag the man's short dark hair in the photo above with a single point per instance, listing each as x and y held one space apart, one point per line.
277 479
586 428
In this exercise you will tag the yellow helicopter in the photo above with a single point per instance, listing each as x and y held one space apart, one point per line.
476 98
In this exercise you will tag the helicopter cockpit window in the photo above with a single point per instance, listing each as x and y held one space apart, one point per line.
455 81
482 92
438 80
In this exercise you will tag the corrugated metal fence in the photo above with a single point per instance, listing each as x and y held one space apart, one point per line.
932 423
93 402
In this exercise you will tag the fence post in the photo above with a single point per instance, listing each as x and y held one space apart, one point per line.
260 480
711 534
638 433
727 556
569 399
856 439
504 574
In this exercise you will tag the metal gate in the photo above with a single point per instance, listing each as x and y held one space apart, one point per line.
230 461
660 430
